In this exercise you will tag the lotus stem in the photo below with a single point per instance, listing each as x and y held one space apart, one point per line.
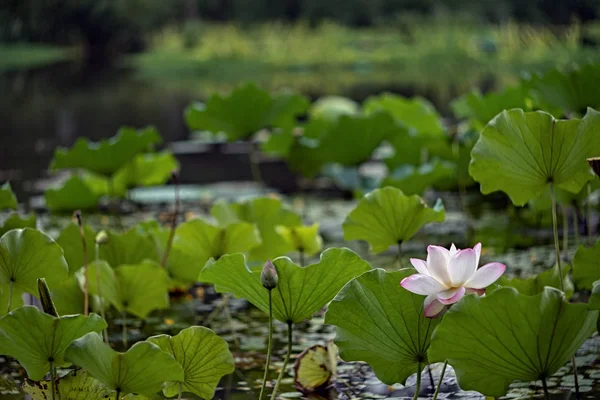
576 225
565 216
86 303
52 379
418 386
118 395
124 330
439 385
10 294
285 361
254 166
99 289
555 231
400 254
589 213
180 390
301 255
269 345
545 386
175 179
576 378
236 340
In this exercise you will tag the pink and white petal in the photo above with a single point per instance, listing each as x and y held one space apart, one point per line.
486 275
420 266
451 296
437 264
462 266
477 249
422 284
478 292
432 306
453 250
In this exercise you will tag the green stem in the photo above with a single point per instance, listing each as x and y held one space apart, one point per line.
124 331
254 164
400 255
269 345
99 289
545 386
418 387
301 254
565 230
10 294
589 213
236 341
555 231
52 379
173 222
437 389
285 362
117 397
180 390
576 378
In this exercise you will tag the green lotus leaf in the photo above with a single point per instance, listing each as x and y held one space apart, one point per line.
74 194
331 108
141 369
305 239
149 169
586 266
70 241
594 301
230 114
535 284
494 340
306 157
107 156
266 213
279 143
8 200
481 108
520 153
300 291
382 324
26 255
204 356
387 216
68 296
76 385
37 339
417 114
414 180
129 247
412 148
17 221
135 289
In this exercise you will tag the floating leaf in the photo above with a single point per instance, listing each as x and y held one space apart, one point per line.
414 180
315 367
586 266
417 114
26 255
494 340
536 284
16 221
70 241
76 385
382 324
107 156
521 153
37 339
141 369
266 213
204 356
129 247
8 200
136 289
74 194
300 291
305 239
387 216
231 114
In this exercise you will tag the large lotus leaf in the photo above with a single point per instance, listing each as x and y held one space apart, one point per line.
141 369
331 108
37 339
266 213
8 200
71 243
387 216
536 284
136 289
594 301
415 149
521 153
417 113
17 221
305 239
232 115
494 340
300 291
360 136
279 143
568 91
107 156
414 180
379 322
76 385
586 266
26 255
306 157
74 194
129 247
204 356
68 296
481 108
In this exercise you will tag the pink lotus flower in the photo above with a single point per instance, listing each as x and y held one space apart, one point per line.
448 275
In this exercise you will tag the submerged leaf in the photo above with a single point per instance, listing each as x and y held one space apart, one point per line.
37 339
76 385
494 340
315 367
204 356
8 200
141 369
387 216
300 291
521 153
382 324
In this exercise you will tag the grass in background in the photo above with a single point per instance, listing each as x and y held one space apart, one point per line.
28 55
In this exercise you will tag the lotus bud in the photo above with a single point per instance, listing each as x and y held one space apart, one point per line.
46 298
101 238
595 164
268 276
